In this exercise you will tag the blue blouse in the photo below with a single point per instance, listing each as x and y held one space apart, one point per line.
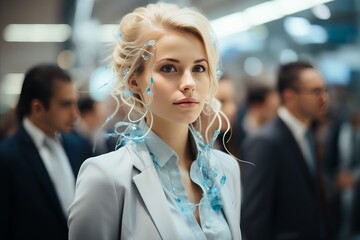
213 224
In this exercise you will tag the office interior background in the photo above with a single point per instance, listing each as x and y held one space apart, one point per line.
254 36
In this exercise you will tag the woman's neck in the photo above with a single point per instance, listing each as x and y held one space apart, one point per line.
176 136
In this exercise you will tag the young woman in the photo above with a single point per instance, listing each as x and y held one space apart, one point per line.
166 182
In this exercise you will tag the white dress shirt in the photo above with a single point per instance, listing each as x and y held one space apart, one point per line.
56 163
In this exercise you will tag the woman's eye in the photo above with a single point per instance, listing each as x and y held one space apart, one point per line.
199 68
168 68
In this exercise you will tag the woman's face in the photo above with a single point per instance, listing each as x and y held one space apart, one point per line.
179 68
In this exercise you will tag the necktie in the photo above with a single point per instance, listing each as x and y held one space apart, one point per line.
311 157
61 173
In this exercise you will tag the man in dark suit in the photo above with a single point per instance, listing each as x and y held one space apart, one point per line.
282 197
38 165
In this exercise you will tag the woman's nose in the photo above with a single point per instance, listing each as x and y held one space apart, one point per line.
187 83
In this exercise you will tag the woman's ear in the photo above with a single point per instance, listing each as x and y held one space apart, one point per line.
133 84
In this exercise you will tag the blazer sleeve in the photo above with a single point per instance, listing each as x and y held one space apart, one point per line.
258 188
95 211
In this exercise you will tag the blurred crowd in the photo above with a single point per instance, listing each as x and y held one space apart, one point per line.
278 191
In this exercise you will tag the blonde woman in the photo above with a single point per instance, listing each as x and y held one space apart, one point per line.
166 182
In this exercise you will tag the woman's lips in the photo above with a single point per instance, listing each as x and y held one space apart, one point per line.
186 102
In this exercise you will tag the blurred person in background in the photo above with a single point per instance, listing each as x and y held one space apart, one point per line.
283 193
226 96
260 107
342 167
88 128
38 164
8 123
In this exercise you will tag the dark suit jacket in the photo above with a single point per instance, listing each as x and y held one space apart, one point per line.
29 206
281 200
332 164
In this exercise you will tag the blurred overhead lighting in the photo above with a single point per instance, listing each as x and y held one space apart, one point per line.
303 32
335 71
321 11
288 55
260 14
37 32
260 32
253 66
297 26
66 59
230 24
12 83
108 32
263 13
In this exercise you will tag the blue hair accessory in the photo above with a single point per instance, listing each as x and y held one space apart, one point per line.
132 132
144 57
150 43
128 93
119 36
204 146
148 91
219 74
125 72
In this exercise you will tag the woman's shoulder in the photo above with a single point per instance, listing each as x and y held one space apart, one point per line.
118 161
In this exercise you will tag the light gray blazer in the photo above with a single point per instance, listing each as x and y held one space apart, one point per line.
119 196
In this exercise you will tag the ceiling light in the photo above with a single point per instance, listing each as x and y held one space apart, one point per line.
263 13
321 11
253 66
260 14
37 32
230 24
108 32
297 26
12 83
288 55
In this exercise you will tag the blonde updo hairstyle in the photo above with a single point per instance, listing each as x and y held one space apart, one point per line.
151 23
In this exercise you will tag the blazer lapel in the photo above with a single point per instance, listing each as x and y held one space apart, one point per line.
31 155
151 191
230 212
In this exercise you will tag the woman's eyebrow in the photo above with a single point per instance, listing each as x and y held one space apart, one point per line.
200 60
178 61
